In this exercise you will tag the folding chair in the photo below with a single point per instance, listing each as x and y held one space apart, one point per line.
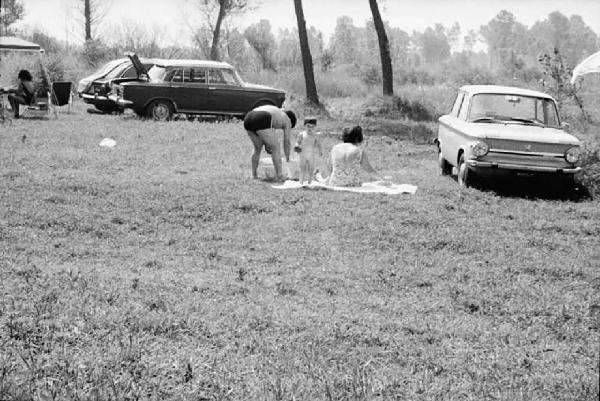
61 95
38 107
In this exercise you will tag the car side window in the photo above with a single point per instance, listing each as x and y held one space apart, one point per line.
550 116
457 104
182 75
199 75
177 75
464 108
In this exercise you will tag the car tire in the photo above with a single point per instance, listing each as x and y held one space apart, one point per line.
445 167
568 185
465 177
160 110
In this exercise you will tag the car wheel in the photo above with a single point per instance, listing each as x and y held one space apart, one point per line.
446 168
160 110
466 178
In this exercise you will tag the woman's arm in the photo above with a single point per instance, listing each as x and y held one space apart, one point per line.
287 130
364 162
21 89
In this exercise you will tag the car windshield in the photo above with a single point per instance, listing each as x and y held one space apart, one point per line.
117 71
513 108
108 67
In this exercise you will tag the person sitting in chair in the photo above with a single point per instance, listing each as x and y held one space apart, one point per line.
24 94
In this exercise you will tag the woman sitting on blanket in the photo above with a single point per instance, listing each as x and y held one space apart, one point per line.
348 159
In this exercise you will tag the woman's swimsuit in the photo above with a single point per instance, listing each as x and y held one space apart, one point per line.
257 120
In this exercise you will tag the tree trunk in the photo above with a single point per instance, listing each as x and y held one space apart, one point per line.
214 49
384 50
307 63
87 15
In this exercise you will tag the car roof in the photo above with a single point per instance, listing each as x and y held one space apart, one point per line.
505 90
193 63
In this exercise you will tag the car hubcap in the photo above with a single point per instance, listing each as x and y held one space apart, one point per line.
161 111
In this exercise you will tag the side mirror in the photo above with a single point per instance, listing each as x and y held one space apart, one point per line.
565 125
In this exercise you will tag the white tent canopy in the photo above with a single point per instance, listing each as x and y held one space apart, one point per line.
12 43
587 66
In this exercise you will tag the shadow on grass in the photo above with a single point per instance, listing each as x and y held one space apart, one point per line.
532 188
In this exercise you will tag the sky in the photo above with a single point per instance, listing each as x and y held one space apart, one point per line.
61 19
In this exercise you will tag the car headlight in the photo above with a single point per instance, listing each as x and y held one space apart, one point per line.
572 155
480 149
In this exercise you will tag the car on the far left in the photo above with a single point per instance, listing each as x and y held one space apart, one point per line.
94 89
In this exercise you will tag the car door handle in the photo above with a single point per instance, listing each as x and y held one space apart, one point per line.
212 88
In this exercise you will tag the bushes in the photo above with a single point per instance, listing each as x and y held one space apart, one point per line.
60 67
590 175
340 81
94 51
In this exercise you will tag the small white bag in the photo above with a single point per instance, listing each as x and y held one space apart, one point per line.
291 169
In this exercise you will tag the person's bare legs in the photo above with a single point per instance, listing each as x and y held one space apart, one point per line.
271 138
257 143
304 170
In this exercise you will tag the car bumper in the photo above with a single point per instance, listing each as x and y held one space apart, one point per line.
521 167
93 98
120 101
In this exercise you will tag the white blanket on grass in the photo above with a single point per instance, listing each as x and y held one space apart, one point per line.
367 187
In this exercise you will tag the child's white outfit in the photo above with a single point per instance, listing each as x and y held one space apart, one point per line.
311 150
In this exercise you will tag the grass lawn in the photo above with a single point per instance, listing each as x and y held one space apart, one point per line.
158 270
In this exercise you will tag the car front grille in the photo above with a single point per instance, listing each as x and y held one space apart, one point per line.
99 89
533 159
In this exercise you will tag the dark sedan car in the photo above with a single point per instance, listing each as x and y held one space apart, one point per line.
192 87
95 88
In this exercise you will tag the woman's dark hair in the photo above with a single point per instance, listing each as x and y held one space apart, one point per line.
25 75
292 117
352 135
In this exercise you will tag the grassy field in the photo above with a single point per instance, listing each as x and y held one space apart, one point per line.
158 270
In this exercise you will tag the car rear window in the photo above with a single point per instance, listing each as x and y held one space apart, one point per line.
223 77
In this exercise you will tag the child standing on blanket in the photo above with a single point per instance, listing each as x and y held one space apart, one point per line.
309 149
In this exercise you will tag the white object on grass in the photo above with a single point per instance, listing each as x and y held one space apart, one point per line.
366 187
291 169
108 143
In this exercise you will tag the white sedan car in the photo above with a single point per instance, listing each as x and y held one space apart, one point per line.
495 130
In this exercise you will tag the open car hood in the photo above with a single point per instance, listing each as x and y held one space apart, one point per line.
139 67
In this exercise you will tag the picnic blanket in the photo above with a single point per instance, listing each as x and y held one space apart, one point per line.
367 187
